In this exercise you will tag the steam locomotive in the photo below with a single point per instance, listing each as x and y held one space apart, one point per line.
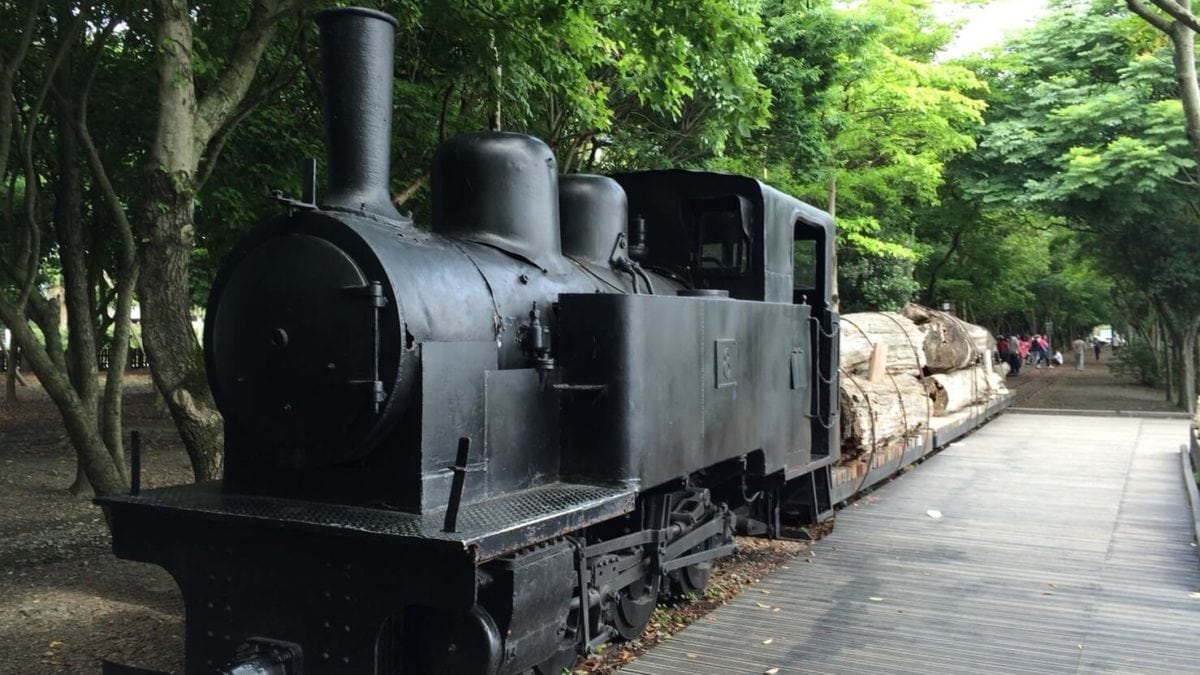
493 445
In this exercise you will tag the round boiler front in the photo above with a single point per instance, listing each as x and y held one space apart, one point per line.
294 349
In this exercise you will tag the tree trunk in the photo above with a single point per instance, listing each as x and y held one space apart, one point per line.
861 331
1183 39
949 344
187 125
1169 370
81 487
10 376
954 391
1187 372
79 420
170 342
875 414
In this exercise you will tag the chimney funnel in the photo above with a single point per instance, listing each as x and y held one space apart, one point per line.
357 47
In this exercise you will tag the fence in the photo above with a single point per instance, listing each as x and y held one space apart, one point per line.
135 360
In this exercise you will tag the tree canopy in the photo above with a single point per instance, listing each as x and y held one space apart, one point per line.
1050 181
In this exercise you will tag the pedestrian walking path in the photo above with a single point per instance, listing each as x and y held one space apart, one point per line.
1040 544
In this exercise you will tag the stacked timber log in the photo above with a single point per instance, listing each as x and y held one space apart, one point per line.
900 371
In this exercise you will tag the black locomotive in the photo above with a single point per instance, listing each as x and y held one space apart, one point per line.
488 447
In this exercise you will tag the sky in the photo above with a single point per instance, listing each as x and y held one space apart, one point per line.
987 24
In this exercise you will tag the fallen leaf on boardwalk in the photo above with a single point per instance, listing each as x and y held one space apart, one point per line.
770 671
775 610
1194 594
763 605
1052 584
875 598
764 591
56 643
933 513
768 641
692 656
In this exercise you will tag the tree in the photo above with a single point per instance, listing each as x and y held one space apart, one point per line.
1086 127
863 123
73 217
55 148
1180 25
199 105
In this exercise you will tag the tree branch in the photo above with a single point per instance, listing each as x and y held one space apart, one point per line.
8 70
221 102
1178 11
277 81
1148 15
408 192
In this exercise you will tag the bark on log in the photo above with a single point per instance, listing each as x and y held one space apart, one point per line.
861 331
951 392
949 343
878 413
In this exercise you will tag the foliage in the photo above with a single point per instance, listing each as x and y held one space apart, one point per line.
869 281
1086 124
1048 181
1137 361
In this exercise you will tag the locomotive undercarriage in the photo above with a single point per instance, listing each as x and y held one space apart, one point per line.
663 549
255 593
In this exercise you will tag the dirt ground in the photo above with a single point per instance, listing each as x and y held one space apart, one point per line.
66 603
1093 388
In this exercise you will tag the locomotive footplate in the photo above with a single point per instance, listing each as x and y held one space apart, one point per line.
491 528
332 580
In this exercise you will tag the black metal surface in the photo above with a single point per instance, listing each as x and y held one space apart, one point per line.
283 371
664 200
594 212
699 381
499 189
456 487
356 66
495 526
135 463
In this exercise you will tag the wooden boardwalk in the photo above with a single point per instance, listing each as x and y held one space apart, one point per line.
1063 545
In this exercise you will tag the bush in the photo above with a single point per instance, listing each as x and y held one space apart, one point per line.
1136 361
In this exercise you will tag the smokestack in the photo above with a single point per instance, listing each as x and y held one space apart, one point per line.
357 47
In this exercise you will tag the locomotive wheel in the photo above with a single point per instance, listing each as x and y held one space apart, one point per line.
634 606
693 579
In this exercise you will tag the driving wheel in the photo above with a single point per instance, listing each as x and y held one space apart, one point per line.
634 607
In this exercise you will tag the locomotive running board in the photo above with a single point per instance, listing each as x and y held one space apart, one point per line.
491 527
